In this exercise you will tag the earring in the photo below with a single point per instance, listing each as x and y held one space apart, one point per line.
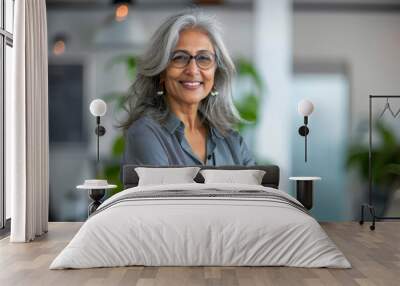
160 92
214 92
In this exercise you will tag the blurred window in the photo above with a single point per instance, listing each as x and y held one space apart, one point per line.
65 98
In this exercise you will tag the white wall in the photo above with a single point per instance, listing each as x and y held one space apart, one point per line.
368 43
273 53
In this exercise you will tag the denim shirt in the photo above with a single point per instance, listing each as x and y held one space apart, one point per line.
148 142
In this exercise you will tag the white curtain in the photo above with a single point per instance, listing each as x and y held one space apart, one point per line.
27 124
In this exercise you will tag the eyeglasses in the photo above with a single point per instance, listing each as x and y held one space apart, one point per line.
204 60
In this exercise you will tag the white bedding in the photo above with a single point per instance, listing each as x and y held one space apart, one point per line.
180 231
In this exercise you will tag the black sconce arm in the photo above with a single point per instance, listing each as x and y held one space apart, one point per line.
304 131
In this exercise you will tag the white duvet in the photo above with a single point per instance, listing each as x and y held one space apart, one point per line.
182 231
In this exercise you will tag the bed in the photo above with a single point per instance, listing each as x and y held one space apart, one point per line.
201 224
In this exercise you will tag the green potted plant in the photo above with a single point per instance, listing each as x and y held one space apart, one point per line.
247 104
385 170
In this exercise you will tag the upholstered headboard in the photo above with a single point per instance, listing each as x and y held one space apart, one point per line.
271 178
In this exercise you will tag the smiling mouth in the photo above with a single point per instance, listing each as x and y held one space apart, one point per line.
190 84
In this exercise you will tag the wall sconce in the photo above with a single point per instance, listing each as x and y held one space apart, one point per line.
305 108
121 29
98 108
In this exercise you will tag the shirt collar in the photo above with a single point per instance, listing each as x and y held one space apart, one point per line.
216 133
173 124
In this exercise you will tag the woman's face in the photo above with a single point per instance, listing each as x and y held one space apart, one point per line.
190 84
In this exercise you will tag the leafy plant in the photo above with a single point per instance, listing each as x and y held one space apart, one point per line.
394 168
247 105
385 169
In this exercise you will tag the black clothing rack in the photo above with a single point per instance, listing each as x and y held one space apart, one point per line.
370 205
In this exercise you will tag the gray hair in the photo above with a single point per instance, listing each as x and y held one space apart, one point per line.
218 111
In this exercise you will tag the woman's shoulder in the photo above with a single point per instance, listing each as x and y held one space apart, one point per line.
233 135
230 135
144 144
143 125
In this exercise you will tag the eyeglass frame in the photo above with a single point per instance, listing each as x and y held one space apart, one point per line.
214 56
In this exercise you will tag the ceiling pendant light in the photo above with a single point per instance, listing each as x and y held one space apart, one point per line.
121 29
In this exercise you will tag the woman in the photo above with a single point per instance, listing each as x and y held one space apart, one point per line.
180 108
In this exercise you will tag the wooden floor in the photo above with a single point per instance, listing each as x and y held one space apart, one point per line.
374 255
